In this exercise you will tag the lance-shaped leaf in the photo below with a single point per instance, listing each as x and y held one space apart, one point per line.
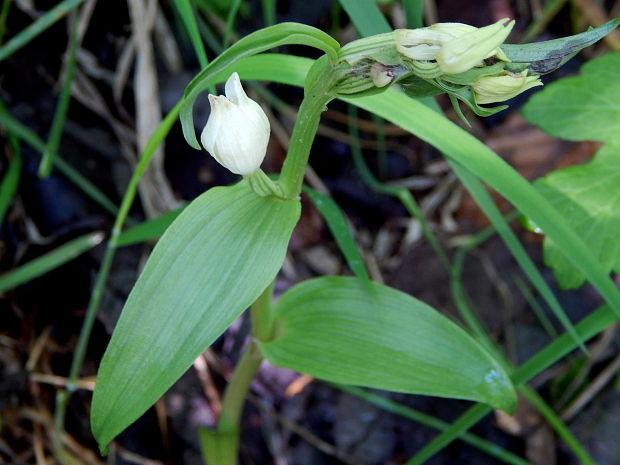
212 263
549 55
353 331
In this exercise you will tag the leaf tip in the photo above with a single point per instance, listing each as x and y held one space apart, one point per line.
499 391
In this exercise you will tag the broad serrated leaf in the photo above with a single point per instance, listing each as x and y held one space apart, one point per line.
211 263
588 196
353 331
584 107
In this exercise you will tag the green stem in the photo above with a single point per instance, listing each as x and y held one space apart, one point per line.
237 389
318 93
221 446
260 314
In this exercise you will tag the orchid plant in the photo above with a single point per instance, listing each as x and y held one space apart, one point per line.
222 254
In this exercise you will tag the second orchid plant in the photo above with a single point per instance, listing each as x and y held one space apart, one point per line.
222 254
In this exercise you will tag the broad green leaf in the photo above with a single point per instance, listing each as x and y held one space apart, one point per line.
151 229
584 107
51 260
353 331
589 198
211 263
252 44
549 55
338 226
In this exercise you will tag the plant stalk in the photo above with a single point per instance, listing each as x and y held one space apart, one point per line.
318 93
221 446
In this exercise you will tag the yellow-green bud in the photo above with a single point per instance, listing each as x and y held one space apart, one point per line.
505 86
462 53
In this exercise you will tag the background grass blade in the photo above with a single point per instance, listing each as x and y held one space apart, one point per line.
60 115
269 12
414 12
37 27
485 202
485 164
586 328
147 230
338 226
186 12
47 262
389 405
10 181
230 21
24 133
4 14
366 17
557 424
400 193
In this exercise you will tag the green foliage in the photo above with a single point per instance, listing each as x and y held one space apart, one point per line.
338 226
60 114
148 230
37 27
353 331
10 180
366 17
584 107
460 147
212 263
587 196
465 149
49 261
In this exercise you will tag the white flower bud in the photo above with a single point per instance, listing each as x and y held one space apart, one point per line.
237 132
493 89
462 53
